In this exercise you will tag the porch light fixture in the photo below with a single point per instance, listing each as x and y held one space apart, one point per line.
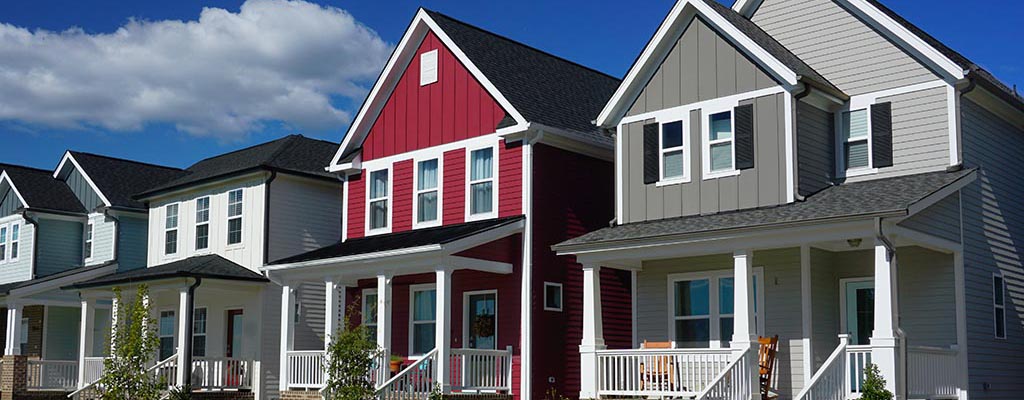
854 242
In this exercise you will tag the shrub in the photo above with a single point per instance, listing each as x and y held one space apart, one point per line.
350 361
134 344
874 385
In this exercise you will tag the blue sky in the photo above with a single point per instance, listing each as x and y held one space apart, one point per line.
208 119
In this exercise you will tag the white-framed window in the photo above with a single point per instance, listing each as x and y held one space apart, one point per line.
199 332
165 332
369 311
428 67
552 296
87 252
481 190
673 163
378 204
171 229
15 241
855 140
427 202
999 305
3 243
235 207
701 308
203 223
719 149
422 319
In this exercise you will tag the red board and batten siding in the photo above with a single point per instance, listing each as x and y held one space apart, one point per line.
356 206
402 200
453 207
454 108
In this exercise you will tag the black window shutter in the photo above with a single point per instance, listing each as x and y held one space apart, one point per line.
744 116
650 153
881 135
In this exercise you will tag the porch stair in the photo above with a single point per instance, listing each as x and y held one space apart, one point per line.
415 382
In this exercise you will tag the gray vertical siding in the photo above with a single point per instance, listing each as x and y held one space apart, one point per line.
941 219
763 185
993 242
9 202
60 246
701 66
20 270
304 215
132 246
81 188
838 45
102 239
815 155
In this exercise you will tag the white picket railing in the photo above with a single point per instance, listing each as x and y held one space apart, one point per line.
658 372
932 372
474 370
415 382
164 371
737 382
858 358
306 369
222 373
93 368
52 375
829 382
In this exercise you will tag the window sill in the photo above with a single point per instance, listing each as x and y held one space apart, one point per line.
379 231
851 173
673 181
481 216
708 175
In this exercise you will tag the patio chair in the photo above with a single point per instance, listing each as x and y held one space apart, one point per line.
767 351
660 375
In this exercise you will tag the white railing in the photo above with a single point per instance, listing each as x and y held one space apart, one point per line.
414 382
222 373
93 368
858 358
829 382
737 382
475 370
52 375
166 371
306 369
932 372
658 372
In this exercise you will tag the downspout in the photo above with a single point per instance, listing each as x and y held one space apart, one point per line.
186 353
890 254
117 235
804 92
266 217
971 85
35 240
526 334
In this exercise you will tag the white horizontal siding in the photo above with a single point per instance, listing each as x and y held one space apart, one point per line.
21 269
102 239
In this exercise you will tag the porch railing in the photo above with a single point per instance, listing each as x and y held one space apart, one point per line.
306 369
737 382
932 372
223 373
414 382
474 370
164 371
858 357
658 372
829 382
93 368
52 375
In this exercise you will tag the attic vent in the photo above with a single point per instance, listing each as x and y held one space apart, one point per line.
428 67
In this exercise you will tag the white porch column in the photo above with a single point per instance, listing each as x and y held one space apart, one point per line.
443 327
115 312
744 335
85 339
287 319
184 336
14 312
384 321
593 331
334 308
883 339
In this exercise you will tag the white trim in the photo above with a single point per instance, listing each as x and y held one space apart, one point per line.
806 312
716 108
619 172
174 329
432 152
790 143
428 75
389 204
954 124
842 171
344 210
416 192
470 182
998 308
88 239
843 328
67 157
5 233
176 229
685 148
746 7
561 296
403 54
229 217
13 243
4 177
465 317
425 287
526 275
363 310
670 29
206 328
674 113
713 315
195 242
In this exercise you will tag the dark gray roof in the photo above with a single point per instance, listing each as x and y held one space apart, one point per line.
209 266
120 179
8 287
772 46
41 191
860 199
544 88
294 154
402 240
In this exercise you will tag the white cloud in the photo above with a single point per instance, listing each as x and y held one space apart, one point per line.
225 74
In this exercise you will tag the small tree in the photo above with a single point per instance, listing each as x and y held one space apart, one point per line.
874 385
350 361
134 343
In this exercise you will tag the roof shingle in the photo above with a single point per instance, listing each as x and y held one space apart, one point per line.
41 191
209 266
121 179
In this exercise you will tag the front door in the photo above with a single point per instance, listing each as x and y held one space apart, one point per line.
483 321
860 310
234 333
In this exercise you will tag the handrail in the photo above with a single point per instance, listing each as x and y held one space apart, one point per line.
721 378
92 384
838 354
411 367
664 351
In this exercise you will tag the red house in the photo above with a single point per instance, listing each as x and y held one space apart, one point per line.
471 156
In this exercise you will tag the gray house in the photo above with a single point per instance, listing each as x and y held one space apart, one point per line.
822 171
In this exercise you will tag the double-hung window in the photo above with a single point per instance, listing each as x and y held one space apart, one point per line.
202 223
856 143
88 241
3 243
719 147
481 183
999 306
171 229
424 309
369 311
15 240
702 308
673 152
235 216
165 332
427 192
378 201
199 332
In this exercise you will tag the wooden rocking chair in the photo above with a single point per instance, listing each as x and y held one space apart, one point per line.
660 375
767 351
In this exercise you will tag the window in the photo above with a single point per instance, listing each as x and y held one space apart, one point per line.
702 308
370 312
719 151
427 173
202 223
15 240
552 296
856 140
999 306
199 332
235 216
673 154
481 319
481 182
428 67
88 241
3 243
171 229
378 200
166 334
424 308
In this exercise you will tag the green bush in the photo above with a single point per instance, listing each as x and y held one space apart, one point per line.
874 385
350 360
136 342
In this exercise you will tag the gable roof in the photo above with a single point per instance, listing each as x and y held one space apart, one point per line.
116 180
293 154
532 86
40 191
210 266
746 36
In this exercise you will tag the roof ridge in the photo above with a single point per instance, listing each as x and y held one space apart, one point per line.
126 160
239 150
289 142
506 38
